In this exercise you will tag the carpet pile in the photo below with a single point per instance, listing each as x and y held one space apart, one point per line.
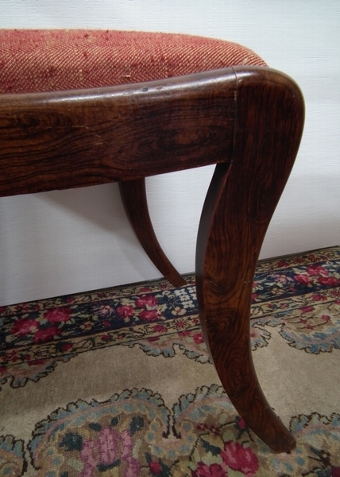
118 382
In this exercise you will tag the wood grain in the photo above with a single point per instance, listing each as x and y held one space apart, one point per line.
247 120
240 202
80 138
134 198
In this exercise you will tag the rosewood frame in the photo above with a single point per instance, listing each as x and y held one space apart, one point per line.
246 120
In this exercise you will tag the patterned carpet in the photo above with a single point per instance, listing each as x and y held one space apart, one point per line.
118 382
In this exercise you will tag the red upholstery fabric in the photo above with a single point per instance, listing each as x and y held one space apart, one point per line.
50 60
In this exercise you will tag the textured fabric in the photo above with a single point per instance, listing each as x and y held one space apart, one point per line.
50 60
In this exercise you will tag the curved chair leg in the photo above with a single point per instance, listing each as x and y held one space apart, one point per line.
239 204
134 198
224 286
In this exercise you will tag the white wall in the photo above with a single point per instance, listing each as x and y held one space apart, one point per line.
63 242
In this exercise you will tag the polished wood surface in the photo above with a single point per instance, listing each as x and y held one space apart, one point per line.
80 138
247 120
238 208
134 198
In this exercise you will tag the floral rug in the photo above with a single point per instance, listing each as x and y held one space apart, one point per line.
118 382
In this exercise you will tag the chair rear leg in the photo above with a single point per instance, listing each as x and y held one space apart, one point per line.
133 193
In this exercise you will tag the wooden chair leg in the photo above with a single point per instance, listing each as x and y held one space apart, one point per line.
224 286
238 208
134 198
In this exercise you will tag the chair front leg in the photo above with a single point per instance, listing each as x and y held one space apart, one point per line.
240 202
225 271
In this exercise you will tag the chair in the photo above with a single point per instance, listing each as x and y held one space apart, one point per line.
80 108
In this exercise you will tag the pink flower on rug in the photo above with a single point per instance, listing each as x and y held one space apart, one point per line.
86 455
155 468
205 470
113 447
318 298
307 309
303 278
241 423
125 311
145 289
149 315
127 443
25 327
46 334
159 328
107 446
198 338
132 467
240 458
282 263
58 315
332 281
317 270
132 464
181 324
149 301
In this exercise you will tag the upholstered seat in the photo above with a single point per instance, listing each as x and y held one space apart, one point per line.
53 60
83 107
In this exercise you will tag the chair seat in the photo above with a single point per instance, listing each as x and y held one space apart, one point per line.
52 60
